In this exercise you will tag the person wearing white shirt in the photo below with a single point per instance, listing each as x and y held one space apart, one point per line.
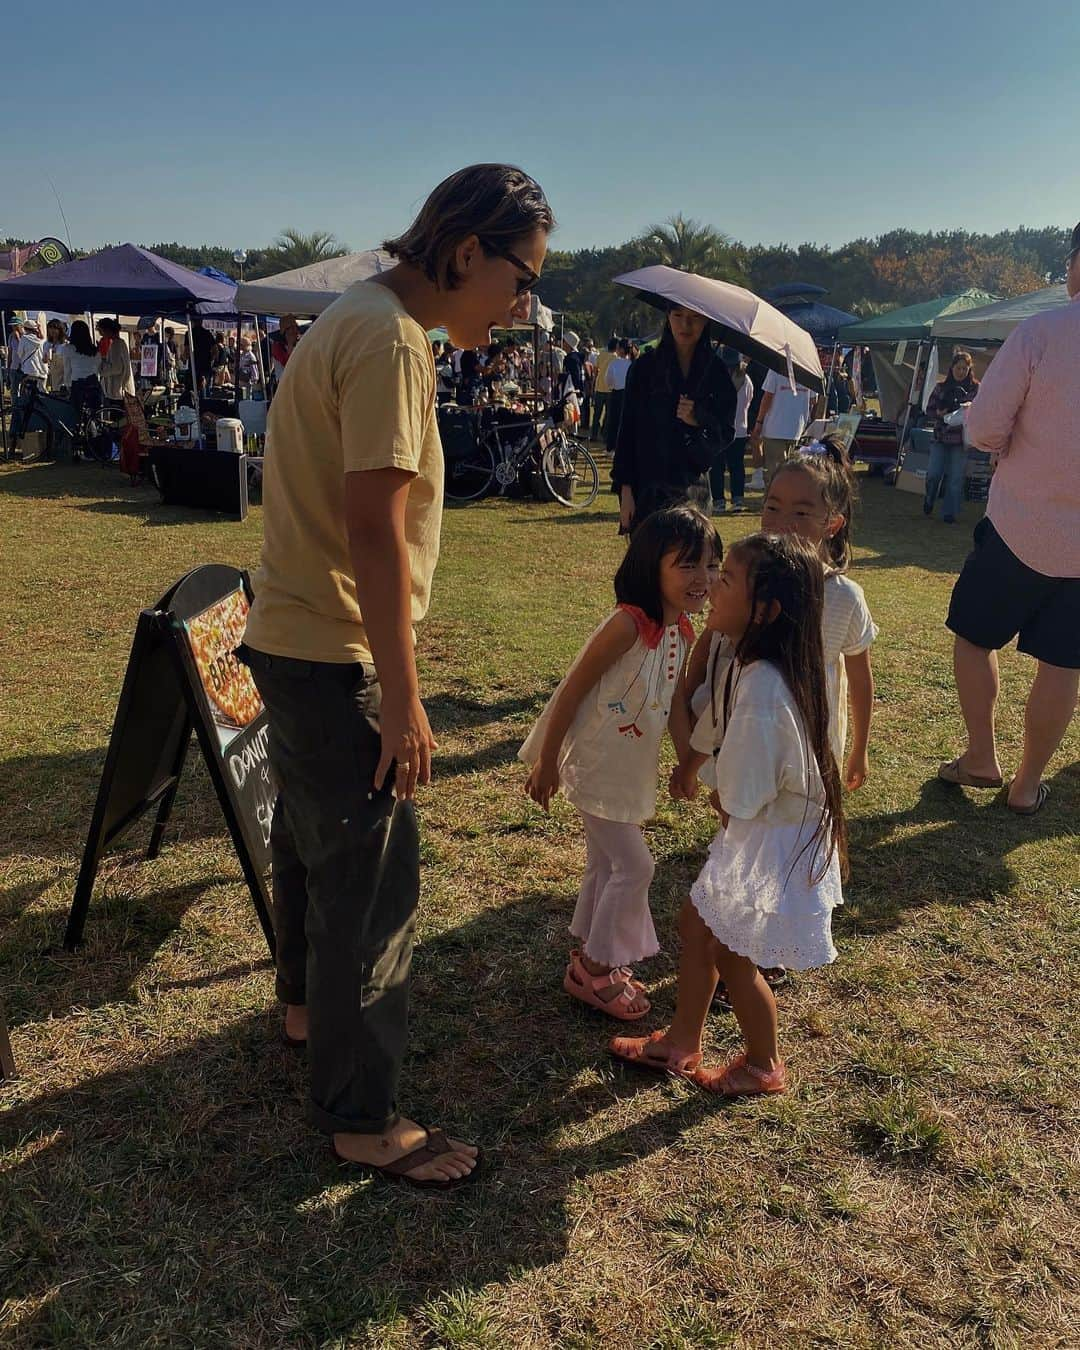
733 459
617 372
29 357
781 420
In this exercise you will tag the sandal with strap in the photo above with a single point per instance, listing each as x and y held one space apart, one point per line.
634 1052
579 984
953 772
434 1147
738 1078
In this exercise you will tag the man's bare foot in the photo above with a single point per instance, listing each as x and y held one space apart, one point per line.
612 991
377 1150
986 768
296 1021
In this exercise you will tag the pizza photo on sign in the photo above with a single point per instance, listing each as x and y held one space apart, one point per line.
214 636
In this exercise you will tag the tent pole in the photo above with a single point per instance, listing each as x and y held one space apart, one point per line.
3 383
236 367
900 451
832 374
194 377
259 358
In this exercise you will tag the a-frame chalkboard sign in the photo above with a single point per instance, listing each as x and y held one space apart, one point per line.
182 675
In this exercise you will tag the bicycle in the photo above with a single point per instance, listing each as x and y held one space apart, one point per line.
504 450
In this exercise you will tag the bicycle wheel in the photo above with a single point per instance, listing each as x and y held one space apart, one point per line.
470 474
569 471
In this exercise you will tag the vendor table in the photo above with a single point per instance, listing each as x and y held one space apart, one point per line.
213 480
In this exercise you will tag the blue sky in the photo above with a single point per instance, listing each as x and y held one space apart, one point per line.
225 122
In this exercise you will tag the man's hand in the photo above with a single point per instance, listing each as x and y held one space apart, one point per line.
542 783
407 742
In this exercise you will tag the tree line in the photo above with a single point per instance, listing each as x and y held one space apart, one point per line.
866 276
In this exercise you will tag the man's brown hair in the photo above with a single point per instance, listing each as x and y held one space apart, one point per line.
499 203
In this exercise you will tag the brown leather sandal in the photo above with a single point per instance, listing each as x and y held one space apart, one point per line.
436 1146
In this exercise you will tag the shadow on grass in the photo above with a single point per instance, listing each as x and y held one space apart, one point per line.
100 490
123 934
948 848
49 800
186 1188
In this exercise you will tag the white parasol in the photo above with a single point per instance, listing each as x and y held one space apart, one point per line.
745 321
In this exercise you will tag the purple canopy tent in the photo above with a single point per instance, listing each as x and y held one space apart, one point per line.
125 278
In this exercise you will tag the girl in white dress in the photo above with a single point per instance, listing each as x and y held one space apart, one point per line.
599 738
772 878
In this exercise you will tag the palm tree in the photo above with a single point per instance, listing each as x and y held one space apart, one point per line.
292 249
692 247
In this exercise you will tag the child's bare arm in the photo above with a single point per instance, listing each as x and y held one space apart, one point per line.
860 677
612 641
684 779
697 667
679 720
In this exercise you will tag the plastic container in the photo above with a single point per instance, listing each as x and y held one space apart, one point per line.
186 425
230 435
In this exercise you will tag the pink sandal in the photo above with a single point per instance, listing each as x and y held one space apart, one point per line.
579 984
737 1078
634 1052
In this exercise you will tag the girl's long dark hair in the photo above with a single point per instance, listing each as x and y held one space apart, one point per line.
785 570
81 340
676 529
830 468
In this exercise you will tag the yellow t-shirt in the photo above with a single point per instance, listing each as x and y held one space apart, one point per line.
602 362
358 393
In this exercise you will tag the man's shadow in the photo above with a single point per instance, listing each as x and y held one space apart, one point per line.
948 848
195 1167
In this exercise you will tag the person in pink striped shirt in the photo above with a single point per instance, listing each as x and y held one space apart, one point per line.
1023 577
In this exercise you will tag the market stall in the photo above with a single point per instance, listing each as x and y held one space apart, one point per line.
899 344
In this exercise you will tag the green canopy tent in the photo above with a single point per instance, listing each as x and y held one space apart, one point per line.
994 323
895 365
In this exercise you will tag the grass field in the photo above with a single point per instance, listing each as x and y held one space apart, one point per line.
917 1187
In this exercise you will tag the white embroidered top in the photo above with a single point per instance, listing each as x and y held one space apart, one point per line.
608 761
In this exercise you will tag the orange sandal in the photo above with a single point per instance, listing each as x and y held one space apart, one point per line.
633 1051
579 984
737 1078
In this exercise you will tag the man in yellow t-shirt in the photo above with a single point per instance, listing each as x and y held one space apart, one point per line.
601 388
352 504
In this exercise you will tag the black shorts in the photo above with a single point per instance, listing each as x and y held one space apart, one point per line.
997 597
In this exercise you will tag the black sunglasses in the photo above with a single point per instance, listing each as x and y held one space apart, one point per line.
523 283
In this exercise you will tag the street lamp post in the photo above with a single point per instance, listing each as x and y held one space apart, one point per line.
239 257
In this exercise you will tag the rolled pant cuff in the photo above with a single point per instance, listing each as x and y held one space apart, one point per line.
328 1123
289 993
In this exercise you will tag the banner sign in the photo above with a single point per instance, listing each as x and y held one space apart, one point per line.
183 675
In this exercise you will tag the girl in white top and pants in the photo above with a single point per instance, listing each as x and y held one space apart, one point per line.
599 738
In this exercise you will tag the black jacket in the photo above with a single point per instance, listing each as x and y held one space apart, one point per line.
660 458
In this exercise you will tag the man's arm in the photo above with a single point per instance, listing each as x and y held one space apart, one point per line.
1001 395
375 501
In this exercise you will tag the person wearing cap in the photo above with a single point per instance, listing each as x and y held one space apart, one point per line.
29 355
1022 578
283 342
733 458
573 363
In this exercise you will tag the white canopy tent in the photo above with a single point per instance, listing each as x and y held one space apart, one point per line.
311 289
994 323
